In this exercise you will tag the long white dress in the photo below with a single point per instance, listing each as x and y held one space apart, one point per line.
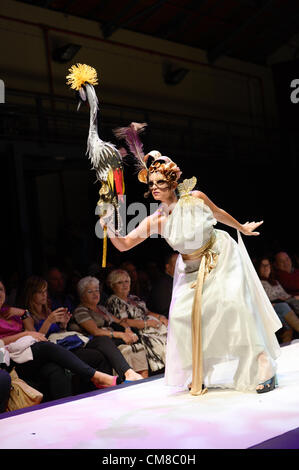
239 345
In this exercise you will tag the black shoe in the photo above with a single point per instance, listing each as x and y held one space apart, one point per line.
268 385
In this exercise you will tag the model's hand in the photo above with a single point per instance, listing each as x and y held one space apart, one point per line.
249 228
103 222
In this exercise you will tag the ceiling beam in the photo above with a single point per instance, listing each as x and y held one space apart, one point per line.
178 21
224 47
112 26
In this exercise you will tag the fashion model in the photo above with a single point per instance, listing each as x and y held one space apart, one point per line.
220 314
221 323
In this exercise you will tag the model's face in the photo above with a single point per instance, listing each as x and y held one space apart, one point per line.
283 262
159 186
122 286
40 297
91 294
265 268
2 294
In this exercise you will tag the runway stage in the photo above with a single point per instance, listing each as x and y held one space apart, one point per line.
148 415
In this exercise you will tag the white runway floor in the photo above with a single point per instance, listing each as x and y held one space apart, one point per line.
149 415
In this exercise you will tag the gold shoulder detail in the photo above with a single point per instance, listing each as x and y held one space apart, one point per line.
186 186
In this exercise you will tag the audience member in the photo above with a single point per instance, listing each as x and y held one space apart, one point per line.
286 274
5 380
274 289
151 327
140 283
153 271
54 324
120 345
73 277
279 299
12 288
36 360
100 273
160 296
57 295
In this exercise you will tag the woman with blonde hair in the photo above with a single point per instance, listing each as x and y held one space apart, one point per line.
108 334
133 313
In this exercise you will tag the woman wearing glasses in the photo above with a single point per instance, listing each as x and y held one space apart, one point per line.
132 312
118 343
222 325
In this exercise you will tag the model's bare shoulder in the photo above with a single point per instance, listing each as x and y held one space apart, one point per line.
199 195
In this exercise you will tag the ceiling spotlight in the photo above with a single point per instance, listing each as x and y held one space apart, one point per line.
65 53
173 75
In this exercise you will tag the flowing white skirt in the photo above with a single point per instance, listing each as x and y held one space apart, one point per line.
238 322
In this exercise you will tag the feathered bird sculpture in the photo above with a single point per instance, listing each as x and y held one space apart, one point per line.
104 156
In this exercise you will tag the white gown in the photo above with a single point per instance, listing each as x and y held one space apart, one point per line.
238 320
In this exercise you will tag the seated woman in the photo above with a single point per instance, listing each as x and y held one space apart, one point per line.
100 354
279 298
49 323
151 327
5 380
44 363
96 321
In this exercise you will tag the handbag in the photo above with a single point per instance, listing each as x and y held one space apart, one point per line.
70 342
69 339
22 395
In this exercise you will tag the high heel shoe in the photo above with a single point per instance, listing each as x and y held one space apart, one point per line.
268 385
203 390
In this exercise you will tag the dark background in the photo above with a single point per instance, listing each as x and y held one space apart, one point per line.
254 179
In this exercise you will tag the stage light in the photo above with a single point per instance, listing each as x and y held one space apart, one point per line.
65 53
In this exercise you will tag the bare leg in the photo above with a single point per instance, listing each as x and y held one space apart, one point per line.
100 379
266 371
144 373
130 374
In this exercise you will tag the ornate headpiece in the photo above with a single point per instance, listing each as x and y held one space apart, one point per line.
152 161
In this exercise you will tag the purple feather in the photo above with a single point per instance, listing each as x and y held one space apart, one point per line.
130 135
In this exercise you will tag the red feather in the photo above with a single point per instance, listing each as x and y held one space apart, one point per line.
118 180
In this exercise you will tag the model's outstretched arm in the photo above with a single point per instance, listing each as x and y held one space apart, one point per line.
147 227
225 218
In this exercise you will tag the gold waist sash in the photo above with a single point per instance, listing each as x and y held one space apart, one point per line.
208 261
